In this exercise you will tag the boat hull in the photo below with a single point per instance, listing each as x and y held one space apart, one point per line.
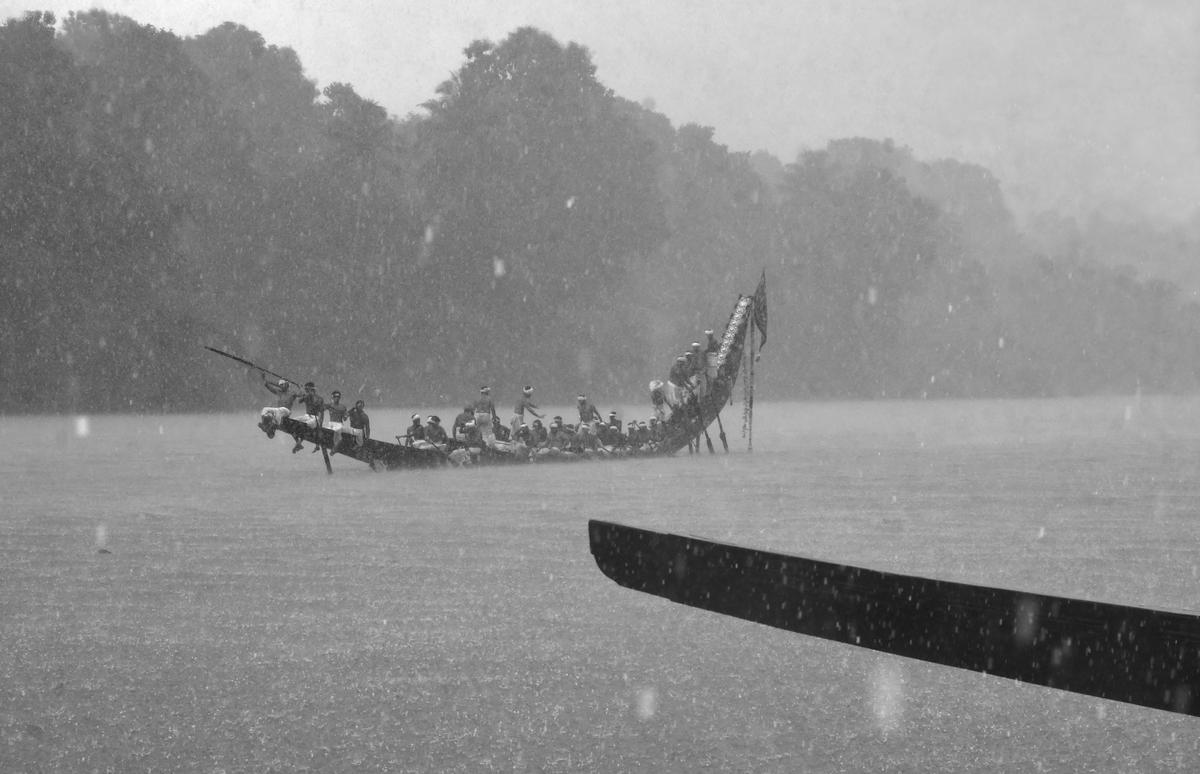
698 404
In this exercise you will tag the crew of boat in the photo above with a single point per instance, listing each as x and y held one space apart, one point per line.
478 431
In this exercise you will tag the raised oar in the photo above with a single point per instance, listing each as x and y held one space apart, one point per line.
255 366
724 442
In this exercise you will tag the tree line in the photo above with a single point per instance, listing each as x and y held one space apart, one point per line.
529 226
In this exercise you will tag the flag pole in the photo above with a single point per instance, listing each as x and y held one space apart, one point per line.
750 407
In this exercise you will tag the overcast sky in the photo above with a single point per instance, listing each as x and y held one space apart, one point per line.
1073 104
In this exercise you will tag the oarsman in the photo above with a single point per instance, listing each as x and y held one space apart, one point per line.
416 431
524 403
657 431
273 416
713 345
658 399
338 413
699 363
695 373
360 423
677 382
558 437
585 441
539 437
609 435
460 422
434 432
587 411
472 438
314 413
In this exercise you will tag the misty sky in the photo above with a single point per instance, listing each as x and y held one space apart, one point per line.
1073 104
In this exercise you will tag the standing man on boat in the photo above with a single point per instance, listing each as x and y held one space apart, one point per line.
360 423
338 413
587 411
525 403
314 413
485 404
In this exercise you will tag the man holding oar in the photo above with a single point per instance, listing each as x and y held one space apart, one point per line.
273 416
314 412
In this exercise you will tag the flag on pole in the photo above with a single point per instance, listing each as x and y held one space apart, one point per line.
760 308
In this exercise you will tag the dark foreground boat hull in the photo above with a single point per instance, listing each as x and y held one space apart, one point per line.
1118 652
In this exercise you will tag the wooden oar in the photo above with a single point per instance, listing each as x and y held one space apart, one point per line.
703 428
724 442
244 361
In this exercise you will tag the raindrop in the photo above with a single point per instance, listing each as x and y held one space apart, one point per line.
647 703
887 696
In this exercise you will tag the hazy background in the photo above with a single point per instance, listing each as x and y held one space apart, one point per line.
1072 104
949 200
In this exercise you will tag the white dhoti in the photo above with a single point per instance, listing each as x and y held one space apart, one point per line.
276 414
674 394
340 431
483 421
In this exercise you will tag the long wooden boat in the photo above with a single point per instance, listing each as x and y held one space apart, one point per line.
697 404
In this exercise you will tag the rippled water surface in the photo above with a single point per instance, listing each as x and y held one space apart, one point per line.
179 593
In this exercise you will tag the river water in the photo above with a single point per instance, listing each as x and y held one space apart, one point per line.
180 593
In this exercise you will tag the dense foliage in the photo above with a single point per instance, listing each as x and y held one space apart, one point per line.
163 193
